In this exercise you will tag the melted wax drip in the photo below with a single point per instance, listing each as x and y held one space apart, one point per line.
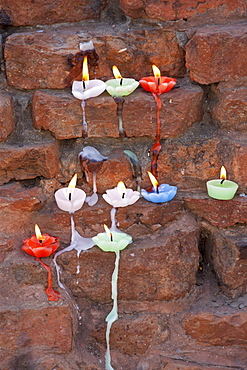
157 146
120 101
52 294
78 243
113 315
93 199
84 122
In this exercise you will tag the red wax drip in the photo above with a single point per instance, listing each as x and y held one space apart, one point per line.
157 146
157 86
43 248
52 294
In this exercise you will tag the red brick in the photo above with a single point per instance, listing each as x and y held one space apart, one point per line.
16 198
227 254
6 115
62 113
151 262
17 207
49 327
219 213
217 53
28 162
39 59
6 246
131 334
171 10
30 13
218 330
230 109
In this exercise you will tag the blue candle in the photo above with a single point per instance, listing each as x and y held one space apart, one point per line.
159 193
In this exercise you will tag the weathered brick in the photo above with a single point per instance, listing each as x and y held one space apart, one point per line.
151 262
227 254
39 59
6 115
17 207
217 330
30 13
217 53
28 162
171 10
6 246
221 213
32 324
62 114
130 334
230 109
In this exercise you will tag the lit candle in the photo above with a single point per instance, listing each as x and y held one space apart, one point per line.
120 196
70 199
157 85
118 88
222 189
43 245
86 89
159 193
111 241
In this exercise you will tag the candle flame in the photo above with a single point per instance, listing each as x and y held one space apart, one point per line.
72 183
109 234
71 187
121 189
153 181
116 72
39 236
223 173
85 73
156 71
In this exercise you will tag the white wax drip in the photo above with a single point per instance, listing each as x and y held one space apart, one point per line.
113 315
114 220
84 122
78 243
93 199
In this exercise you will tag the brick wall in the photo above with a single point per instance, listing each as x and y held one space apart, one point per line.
183 280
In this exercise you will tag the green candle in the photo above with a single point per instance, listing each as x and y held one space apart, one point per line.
112 241
222 189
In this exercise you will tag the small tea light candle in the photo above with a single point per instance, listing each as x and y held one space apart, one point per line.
118 88
43 245
157 84
222 189
159 193
86 89
120 196
70 199
112 241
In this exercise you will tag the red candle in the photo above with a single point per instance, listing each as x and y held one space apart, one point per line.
157 85
43 246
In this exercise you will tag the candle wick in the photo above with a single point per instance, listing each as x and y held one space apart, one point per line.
111 237
159 81
222 181
84 85
157 190
123 195
40 240
121 82
69 196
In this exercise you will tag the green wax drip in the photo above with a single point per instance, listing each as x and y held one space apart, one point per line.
113 315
